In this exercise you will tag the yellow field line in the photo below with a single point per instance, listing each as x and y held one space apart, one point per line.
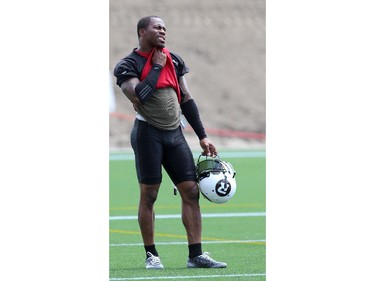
177 236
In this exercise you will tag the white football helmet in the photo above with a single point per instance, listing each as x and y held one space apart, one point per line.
216 179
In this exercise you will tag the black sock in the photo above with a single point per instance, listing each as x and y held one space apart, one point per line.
195 250
152 250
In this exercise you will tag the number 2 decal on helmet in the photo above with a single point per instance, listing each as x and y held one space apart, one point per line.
216 179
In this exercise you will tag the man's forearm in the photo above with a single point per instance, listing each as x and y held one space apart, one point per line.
145 88
190 111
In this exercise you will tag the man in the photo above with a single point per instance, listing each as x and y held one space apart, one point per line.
152 78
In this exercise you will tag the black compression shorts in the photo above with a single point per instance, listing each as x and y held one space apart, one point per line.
154 148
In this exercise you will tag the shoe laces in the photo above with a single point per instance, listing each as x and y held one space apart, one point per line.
207 259
153 259
204 257
207 255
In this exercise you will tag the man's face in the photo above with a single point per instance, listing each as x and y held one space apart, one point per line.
155 33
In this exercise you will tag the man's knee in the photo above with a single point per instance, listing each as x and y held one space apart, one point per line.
149 194
189 190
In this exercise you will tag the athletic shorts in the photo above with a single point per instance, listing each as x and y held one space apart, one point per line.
154 148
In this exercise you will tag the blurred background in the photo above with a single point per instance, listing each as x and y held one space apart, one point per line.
223 44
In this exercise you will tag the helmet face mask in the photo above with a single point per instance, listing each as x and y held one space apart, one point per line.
216 179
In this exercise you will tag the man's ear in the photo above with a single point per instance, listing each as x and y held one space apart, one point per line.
141 32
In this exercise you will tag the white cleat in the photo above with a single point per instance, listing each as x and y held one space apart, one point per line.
153 262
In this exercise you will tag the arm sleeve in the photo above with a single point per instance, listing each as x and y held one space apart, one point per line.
145 89
190 110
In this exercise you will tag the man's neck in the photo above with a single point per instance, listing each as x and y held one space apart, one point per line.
145 50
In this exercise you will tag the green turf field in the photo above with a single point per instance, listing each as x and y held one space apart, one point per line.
234 232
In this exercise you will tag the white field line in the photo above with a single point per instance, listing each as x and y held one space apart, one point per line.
185 243
178 216
189 277
226 154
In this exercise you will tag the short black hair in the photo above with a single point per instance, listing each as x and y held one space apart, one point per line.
144 22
